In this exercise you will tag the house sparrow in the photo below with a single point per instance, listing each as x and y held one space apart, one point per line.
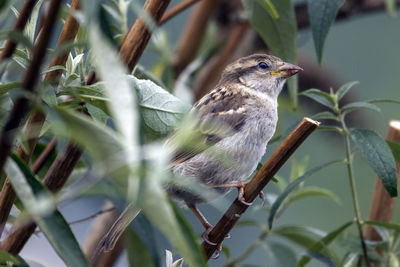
236 119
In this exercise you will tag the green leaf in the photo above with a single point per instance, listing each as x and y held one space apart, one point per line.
323 243
322 14
161 110
123 104
5 87
312 191
320 97
279 34
7 259
388 225
340 93
33 195
324 115
100 141
344 89
157 208
394 101
138 255
379 156
300 235
395 147
269 7
281 254
278 202
356 105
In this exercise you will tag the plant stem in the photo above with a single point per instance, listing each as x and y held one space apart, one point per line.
353 189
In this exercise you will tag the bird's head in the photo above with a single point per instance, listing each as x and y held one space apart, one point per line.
260 72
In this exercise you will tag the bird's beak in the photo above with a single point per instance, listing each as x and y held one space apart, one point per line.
286 70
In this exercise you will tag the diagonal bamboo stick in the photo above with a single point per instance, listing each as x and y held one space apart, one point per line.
258 182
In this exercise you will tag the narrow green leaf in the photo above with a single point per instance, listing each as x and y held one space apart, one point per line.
99 140
323 243
388 225
7 259
379 156
320 97
322 14
281 254
123 104
279 34
394 101
330 128
269 7
313 191
357 105
138 255
278 202
32 193
325 115
5 87
300 235
58 67
20 38
395 147
344 89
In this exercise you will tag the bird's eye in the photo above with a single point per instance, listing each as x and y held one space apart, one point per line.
263 65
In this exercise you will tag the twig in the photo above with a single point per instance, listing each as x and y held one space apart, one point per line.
176 10
192 35
93 216
37 118
258 182
382 204
19 25
138 36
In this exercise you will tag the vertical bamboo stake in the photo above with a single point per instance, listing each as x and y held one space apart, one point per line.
382 204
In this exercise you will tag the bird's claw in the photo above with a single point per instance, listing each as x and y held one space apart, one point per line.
261 195
219 246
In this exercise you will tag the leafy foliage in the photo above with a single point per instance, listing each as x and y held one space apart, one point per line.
322 14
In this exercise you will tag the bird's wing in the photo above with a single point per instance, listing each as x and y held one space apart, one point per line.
219 114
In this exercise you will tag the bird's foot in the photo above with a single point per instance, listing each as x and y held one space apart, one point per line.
219 246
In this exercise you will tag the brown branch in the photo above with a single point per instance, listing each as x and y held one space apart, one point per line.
22 19
176 10
209 77
37 118
138 36
190 40
382 205
258 182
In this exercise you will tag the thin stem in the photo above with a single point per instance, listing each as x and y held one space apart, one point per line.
353 189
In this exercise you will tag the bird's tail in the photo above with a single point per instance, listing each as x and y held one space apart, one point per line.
117 229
